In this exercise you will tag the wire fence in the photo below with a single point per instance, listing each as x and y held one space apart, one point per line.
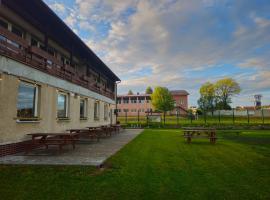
217 117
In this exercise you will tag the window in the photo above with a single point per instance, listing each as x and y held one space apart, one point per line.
106 111
83 108
134 100
16 31
125 100
119 101
96 110
3 24
181 101
51 51
27 100
125 110
62 105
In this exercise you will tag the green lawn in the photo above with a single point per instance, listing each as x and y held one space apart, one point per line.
158 164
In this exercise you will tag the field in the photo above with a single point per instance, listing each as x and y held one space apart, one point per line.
158 164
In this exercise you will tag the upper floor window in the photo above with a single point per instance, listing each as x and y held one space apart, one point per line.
27 100
181 101
17 31
51 51
119 101
83 108
65 60
3 24
134 100
62 105
125 100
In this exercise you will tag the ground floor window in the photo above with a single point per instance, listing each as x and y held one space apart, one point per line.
83 108
62 105
27 100
96 110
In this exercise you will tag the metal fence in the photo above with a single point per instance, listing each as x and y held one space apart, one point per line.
217 117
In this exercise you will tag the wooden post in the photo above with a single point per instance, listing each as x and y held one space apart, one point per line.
219 116
233 115
204 116
126 117
262 116
138 117
164 113
248 115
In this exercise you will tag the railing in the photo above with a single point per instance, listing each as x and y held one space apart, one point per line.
18 49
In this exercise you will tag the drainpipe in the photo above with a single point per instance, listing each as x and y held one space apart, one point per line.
115 97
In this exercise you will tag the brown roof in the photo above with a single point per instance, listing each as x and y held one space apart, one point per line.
179 92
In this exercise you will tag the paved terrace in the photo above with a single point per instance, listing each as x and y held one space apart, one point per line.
86 152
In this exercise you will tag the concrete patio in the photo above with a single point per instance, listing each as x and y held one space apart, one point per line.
86 152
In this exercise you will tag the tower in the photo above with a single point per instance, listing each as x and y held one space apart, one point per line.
257 100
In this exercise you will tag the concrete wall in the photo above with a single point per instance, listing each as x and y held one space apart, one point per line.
12 130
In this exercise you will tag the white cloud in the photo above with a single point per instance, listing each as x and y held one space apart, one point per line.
173 37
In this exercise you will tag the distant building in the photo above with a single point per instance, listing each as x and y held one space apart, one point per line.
132 104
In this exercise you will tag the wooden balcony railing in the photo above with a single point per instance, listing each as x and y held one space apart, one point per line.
18 49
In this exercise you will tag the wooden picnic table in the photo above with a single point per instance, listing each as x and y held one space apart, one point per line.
58 139
198 132
89 132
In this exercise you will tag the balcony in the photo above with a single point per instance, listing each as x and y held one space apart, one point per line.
18 49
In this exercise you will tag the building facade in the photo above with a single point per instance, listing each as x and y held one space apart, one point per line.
50 81
130 105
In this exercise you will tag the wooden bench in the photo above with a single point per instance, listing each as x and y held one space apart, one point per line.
198 132
92 133
56 139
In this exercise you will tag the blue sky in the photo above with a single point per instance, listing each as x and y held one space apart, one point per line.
179 44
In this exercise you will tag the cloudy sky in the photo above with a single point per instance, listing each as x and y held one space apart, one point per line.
179 44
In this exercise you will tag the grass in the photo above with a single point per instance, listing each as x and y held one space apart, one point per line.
158 164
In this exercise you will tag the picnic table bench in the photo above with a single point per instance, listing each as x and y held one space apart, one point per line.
88 132
57 139
197 132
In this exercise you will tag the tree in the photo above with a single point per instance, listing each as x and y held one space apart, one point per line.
225 89
208 97
130 92
162 100
148 90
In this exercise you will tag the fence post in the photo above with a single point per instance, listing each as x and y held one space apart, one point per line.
204 116
262 116
219 116
177 115
233 115
138 117
248 115
126 117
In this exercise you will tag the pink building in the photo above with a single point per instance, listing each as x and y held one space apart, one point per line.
132 104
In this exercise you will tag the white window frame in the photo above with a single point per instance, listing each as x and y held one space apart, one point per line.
85 108
106 112
97 112
67 104
36 96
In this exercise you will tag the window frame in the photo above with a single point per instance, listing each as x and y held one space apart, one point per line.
66 105
35 101
106 112
96 110
85 110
